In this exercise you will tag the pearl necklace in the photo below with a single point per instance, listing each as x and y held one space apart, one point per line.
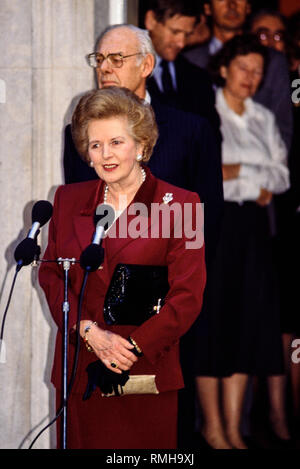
106 186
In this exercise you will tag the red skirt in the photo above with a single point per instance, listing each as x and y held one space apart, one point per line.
143 421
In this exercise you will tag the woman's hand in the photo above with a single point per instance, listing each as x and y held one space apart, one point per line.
264 198
230 171
110 348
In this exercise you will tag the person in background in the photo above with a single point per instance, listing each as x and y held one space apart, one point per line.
273 30
200 34
270 27
115 132
228 18
278 32
175 80
293 49
240 336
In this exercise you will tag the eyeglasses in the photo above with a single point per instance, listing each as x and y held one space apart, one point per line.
265 34
95 59
256 72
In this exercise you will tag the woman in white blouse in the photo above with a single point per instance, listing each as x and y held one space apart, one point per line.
240 331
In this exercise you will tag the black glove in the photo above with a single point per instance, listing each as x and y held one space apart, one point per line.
105 379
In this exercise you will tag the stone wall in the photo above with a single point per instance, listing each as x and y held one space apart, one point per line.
43 44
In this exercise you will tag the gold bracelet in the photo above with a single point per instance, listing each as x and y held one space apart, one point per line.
85 339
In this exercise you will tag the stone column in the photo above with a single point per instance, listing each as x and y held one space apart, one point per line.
42 68
108 12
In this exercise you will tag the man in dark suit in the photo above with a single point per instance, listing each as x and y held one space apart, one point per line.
186 154
175 80
228 19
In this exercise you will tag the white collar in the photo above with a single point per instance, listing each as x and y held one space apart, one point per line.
147 98
222 105
214 45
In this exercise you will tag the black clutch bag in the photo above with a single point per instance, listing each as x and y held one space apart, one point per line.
135 294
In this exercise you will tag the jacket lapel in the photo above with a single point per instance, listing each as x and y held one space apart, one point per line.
83 223
84 228
145 196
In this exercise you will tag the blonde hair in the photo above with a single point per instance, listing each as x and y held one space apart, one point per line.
114 102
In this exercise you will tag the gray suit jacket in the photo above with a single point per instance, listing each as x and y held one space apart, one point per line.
274 92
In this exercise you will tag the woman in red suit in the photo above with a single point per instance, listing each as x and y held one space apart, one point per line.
115 132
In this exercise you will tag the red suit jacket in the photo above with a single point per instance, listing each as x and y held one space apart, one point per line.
70 232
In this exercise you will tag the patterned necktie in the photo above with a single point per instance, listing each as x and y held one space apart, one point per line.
166 77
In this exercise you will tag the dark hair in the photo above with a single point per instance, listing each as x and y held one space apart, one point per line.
293 38
209 2
266 12
294 25
165 9
210 19
243 44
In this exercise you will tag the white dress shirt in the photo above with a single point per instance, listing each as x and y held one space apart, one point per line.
254 141
214 45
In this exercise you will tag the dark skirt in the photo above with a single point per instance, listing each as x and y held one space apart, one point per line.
126 422
238 330
287 254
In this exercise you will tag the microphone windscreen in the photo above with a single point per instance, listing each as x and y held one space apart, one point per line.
26 251
42 212
92 257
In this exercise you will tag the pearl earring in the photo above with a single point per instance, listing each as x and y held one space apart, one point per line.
139 157
91 164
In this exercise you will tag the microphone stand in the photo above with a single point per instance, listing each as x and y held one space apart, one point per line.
66 263
88 264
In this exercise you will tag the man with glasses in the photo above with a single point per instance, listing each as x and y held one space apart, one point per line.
114 67
228 18
269 26
186 154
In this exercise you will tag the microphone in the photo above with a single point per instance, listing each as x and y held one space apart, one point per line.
92 257
28 249
41 214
